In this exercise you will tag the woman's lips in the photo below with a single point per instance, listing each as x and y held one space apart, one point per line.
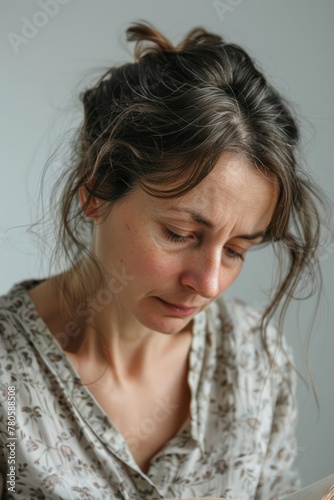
180 311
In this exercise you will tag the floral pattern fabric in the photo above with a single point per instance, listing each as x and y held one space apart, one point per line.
239 442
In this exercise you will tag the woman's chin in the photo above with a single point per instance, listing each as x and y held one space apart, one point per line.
166 325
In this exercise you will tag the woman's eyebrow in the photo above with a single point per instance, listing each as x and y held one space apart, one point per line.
196 217
199 219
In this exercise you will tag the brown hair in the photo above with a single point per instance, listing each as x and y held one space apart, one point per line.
163 121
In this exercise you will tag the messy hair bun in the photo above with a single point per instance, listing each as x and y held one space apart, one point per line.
140 32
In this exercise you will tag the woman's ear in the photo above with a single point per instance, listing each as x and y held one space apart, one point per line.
92 209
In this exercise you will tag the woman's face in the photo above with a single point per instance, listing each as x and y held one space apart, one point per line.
185 251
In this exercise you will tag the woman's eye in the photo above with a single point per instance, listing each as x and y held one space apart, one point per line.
176 237
233 254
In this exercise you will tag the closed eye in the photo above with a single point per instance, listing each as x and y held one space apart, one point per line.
177 238
233 254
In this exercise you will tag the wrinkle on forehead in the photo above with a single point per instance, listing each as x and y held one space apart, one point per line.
233 189
236 197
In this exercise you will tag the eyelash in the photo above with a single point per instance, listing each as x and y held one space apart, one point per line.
176 238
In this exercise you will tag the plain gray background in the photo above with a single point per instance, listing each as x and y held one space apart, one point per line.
293 41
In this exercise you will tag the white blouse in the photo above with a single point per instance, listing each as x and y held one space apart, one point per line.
239 442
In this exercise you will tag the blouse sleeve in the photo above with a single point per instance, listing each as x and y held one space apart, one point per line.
279 476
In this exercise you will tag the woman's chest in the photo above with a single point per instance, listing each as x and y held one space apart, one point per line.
149 407
147 418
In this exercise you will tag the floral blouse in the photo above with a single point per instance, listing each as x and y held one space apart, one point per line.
239 442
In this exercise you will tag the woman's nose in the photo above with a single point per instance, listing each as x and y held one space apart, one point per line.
202 274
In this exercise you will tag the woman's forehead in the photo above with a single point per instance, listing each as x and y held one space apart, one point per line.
234 192
233 180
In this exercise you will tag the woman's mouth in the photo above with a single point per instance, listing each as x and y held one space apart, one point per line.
179 310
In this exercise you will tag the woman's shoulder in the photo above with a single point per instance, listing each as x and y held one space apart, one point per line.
16 313
16 292
237 315
238 311
240 326
25 347
13 300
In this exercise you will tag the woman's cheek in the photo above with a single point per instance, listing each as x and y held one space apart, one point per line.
155 265
149 255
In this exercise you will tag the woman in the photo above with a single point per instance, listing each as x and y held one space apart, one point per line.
134 378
